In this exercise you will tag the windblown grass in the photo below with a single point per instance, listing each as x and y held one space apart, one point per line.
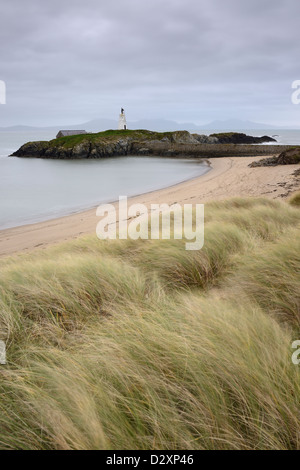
200 268
295 199
272 277
143 345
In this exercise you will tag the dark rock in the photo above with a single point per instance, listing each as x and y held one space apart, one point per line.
239 138
205 139
143 151
81 150
170 153
182 137
32 149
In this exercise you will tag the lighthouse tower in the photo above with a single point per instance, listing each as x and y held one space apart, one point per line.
122 121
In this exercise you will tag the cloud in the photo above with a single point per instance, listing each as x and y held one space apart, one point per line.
70 61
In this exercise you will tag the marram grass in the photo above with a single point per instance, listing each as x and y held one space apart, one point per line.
295 199
143 345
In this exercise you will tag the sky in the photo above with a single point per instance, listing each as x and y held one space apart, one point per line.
184 60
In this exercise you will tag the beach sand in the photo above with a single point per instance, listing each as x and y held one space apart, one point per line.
229 177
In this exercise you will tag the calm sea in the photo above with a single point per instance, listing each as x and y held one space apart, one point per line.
32 190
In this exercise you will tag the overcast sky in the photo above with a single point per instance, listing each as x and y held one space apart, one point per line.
186 60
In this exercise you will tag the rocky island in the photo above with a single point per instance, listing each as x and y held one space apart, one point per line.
145 142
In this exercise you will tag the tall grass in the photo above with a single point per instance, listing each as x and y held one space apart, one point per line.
272 278
143 345
295 199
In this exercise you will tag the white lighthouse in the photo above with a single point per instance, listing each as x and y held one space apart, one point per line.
122 121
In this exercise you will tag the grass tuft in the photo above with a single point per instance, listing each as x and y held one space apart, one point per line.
294 200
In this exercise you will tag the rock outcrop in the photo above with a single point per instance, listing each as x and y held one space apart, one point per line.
85 149
239 138
205 139
287 157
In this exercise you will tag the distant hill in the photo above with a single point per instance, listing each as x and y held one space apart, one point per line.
98 125
236 124
95 125
162 125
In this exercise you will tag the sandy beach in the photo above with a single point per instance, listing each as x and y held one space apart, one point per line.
229 177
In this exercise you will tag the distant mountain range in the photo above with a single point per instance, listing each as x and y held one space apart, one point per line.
97 125
236 124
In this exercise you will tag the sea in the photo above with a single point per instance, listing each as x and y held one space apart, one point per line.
33 190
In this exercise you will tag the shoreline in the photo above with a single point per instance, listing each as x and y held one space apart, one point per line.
228 177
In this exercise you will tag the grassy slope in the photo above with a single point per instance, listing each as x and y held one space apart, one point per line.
141 344
110 135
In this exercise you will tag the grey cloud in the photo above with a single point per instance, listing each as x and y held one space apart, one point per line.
69 61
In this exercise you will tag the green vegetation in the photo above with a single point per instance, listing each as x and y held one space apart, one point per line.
111 135
106 137
143 345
